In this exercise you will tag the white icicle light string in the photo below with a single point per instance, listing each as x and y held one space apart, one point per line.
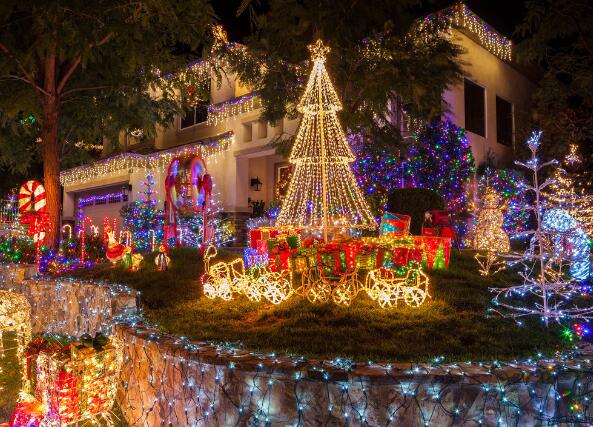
159 160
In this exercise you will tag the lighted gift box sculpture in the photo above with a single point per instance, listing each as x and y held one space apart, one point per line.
15 318
69 382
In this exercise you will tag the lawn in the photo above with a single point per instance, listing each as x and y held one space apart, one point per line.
455 323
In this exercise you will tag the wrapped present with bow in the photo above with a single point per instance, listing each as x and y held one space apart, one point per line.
332 261
82 382
394 224
30 413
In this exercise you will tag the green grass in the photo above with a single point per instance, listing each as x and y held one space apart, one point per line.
455 323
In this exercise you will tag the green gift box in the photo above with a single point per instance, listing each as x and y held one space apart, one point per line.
366 262
300 264
271 243
293 241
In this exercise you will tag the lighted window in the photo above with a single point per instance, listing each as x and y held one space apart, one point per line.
475 109
195 115
504 122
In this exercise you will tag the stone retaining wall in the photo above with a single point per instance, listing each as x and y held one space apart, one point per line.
169 381
68 307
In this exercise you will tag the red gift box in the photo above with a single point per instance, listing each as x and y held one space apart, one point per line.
254 237
428 231
281 260
448 232
441 218
262 247
403 256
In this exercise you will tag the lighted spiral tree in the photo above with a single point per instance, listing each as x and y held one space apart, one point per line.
546 291
323 194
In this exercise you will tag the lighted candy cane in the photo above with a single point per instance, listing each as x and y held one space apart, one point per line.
125 236
38 227
69 228
32 197
83 235
153 240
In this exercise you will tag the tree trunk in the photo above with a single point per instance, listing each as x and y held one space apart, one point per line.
51 168
50 148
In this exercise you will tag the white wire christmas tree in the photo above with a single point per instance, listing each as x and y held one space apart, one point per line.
546 291
323 193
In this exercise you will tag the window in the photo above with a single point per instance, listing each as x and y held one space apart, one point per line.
475 114
262 129
504 122
195 115
247 132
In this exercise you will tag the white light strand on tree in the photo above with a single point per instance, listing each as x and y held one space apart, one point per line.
546 291
323 194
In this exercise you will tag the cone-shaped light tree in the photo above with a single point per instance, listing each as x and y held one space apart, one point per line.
323 193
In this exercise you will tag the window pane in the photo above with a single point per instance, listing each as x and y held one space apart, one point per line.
475 115
201 112
504 121
187 119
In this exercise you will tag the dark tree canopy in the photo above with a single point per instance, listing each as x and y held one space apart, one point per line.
559 38
375 61
73 72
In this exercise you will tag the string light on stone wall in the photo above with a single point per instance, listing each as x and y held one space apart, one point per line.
155 161
217 113
460 16
15 317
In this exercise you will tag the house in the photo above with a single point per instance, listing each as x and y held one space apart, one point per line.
235 142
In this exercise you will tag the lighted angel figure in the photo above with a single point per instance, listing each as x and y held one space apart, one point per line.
489 234
115 250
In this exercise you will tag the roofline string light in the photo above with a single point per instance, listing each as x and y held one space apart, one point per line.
159 160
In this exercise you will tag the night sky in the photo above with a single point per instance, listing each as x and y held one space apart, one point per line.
503 15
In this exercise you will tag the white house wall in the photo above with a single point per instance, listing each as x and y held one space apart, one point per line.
498 78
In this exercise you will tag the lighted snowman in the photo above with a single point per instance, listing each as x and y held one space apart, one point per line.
489 235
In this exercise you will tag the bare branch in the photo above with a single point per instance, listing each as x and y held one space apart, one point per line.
83 89
77 61
28 78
